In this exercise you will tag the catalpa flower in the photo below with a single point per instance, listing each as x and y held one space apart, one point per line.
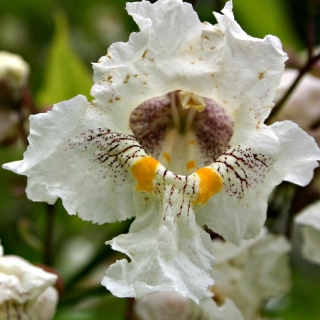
175 136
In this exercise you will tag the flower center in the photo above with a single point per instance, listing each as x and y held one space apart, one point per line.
182 130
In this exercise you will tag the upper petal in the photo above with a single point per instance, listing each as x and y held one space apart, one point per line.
174 51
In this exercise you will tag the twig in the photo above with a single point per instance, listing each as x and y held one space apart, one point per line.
302 72
48 240
78 295
103 252
311 28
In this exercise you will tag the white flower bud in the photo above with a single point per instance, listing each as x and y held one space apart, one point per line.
14 70
26 291
309 219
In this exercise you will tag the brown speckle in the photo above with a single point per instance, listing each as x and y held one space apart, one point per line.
110 100
261 75
117 98
144 54
126 79
206 37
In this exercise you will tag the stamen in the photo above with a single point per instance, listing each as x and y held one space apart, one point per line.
190 117
174 111
191 101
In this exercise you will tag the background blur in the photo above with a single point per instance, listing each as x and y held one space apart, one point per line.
59 39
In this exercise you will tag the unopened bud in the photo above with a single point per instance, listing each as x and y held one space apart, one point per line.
26 291
14 71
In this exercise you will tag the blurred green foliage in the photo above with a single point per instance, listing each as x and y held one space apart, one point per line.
65 74
59 39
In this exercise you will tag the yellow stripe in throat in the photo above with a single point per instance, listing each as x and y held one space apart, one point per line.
210 183
144 170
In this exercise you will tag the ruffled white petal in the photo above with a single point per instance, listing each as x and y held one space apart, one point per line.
251 169
168 251
251 274
299 153
174 51
309 219
74 154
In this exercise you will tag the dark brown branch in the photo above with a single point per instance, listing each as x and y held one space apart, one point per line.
302 72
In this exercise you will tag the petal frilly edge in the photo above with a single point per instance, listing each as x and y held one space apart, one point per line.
250 171
168 252
72 155
175 51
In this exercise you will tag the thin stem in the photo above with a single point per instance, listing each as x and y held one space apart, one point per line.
103 252
311 29
100 255
302 72
22 129
80 294
48 241
28 101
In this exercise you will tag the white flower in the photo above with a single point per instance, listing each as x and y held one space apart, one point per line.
14 70
143 147
252 273
309 219
172 306
26 291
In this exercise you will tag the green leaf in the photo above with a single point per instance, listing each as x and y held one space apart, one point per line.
66 75
259 18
